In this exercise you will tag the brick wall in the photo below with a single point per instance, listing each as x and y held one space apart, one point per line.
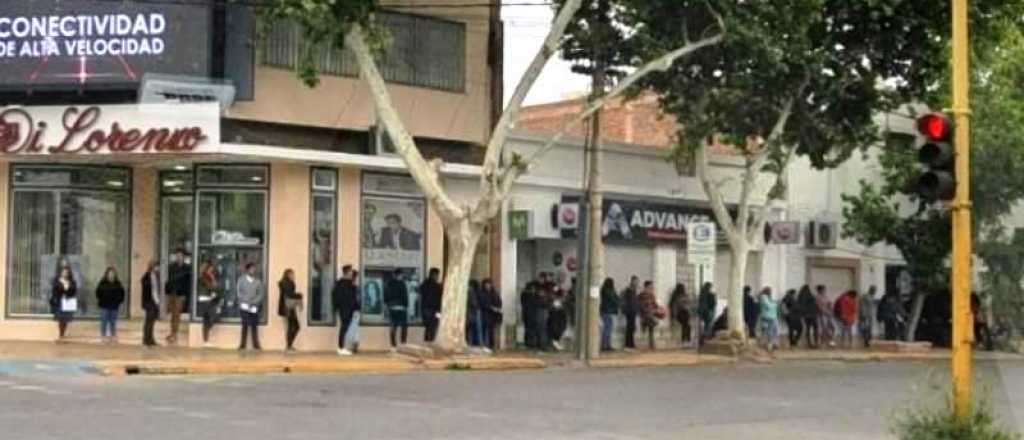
638 122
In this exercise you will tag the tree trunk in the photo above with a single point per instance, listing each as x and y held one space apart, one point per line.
915 316
595 258
737 278
463 236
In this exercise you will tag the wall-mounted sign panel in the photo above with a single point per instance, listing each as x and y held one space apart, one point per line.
71 44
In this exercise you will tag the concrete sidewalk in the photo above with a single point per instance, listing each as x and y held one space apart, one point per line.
118 360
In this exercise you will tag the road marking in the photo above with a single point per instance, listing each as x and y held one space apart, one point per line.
27 388
44 367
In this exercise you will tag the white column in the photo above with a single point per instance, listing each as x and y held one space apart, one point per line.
509 269
664 272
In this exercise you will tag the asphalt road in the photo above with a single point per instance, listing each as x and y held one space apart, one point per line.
784 401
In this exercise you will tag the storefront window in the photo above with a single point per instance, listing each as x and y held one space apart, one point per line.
62 216
394 221
231 230
322 245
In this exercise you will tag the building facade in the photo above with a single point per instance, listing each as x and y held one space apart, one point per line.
95 175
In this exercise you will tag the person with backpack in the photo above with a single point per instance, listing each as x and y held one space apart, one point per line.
679 307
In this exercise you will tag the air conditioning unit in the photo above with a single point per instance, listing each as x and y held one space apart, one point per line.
822 235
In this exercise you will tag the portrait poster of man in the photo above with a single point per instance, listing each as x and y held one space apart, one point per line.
395 229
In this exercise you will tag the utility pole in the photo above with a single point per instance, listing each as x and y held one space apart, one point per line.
961 280
594 217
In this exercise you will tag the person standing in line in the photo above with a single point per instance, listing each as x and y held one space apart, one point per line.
288 307
866 316
209 299
707 304
177 288
528 305
750 310
609 310
847 306
474 334
768 317
649 310
630 308
826 318
558 318
396 302
892 313
493 315
345 297
808 308
679 307
430 304
352 335
250 299
109 297
542 308
64 300
150 301
791 313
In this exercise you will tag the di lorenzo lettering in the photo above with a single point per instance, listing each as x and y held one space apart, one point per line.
82 136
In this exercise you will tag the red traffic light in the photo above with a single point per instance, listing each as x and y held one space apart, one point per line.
935 126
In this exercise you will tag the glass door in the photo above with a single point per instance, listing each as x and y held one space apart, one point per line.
176 229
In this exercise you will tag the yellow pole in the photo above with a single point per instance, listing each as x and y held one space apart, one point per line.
961 283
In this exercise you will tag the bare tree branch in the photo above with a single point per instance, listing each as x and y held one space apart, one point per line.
660 64
526 81
425 174
714 193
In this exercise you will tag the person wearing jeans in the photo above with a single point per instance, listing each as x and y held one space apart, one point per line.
396 301
250 299
609 310
209 299
768 316
109 296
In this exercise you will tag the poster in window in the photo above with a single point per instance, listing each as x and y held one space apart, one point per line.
373 295
393 232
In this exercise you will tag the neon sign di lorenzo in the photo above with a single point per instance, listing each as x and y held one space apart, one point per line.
82 136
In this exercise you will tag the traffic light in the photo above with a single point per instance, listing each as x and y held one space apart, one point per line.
937 154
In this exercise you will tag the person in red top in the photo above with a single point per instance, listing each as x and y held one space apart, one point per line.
848 318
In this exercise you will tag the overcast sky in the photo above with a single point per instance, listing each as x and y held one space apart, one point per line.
525 29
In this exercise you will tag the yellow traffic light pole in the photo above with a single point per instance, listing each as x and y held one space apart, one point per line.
961 282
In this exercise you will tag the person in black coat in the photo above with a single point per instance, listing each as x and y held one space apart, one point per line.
345 297
474 320
396 302
630 308
150 301
109 297
750 311
288 307
807 306
490 305
791 313
430 304
63 290
609 310
528 301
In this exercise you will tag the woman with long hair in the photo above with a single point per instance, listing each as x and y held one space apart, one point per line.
210 298
609 310
288 306
64 299
109 296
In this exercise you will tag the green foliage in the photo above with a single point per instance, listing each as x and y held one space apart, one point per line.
593 37
924 420
828 56
1003 279
324 24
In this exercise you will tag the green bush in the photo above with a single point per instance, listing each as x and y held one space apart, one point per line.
925 421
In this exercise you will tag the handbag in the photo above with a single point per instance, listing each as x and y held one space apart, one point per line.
293 304
352 334
69 304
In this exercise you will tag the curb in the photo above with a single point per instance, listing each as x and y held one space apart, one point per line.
383 366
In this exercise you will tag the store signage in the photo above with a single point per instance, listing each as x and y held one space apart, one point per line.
640 221
115 129
786 232
83 43
520 225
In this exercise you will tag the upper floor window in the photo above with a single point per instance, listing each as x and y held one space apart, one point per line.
423 51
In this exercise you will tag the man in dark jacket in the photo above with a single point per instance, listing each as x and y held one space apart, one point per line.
630 308
178 289
345 297
150 302
396 302
750 312
807 305
707 305
430 303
